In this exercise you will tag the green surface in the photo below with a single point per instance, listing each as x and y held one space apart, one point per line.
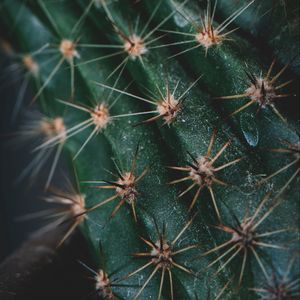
160 146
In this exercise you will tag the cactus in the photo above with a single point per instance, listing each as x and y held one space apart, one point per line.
184 170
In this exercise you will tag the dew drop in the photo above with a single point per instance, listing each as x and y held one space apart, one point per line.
249 129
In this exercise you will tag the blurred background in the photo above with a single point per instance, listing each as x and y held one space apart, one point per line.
61 277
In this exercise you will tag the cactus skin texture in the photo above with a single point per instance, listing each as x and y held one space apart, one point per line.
182 188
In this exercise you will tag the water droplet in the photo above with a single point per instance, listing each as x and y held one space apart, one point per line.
249 129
